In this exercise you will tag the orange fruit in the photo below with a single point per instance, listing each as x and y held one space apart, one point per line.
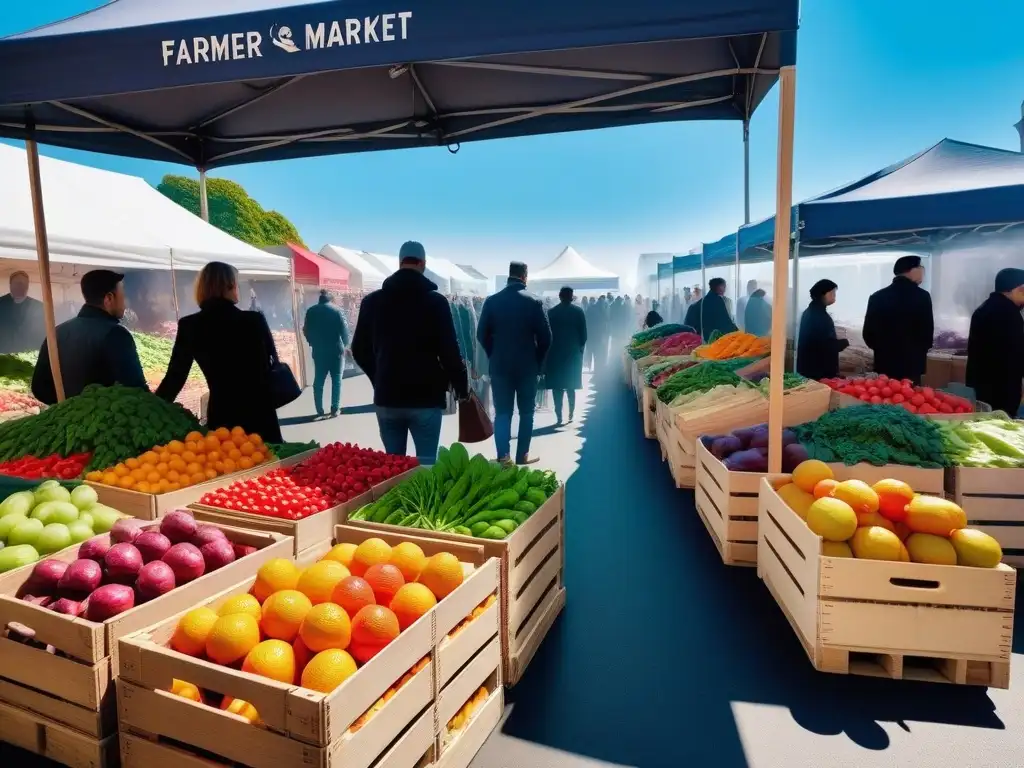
211 443
143 487
858 494
222 433
811 472
409 559
239 440
241 708
372 629
302 657
189 456
353 593
410 602
126 482
442 574
319 580
245 463
283 613
384 580
229 466
824 488
868 519
273 576
893 498
193 437
132 463
245 603
192 631
341 553
95 476
149 457
185 690
327 670
326 626
257 457
255 439
110 478
231 638
272 658
247 448
371 552
237 432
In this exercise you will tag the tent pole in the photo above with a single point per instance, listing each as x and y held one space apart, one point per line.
796 286
43 254
746 176
300 351
174 289
783 203
204 205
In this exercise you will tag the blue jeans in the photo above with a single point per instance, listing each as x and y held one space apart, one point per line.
321 370
396 424
509 392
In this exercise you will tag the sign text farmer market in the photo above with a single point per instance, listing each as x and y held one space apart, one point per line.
383 28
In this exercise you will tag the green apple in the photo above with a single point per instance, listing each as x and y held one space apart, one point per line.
85 517
7 524
103 517
25 532
84 496
51 490
53 538
55 512
19 503
80 531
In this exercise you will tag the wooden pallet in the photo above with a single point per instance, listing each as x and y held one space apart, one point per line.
73 689
993 500
50 739
886 618
304 727
151 506
532 571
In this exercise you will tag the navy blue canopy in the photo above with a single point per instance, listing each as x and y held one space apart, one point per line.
721 251
949 186
220 82
687 263
665 271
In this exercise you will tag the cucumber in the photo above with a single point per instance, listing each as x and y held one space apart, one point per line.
507 525
494 532
477 529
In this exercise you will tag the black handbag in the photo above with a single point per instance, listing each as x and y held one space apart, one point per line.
284 388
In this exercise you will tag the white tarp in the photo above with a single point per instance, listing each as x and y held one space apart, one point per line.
363 273
100 218
569 268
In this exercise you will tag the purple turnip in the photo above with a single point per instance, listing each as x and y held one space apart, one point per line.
45 577
126 530
206 533
152 545
155 579
81 578
67 607
94 549
186 561
123 562
217 554
108 601
178 526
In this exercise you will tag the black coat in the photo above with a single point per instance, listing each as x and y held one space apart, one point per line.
514 332
405 342
899 328
563 368
94 348
995 353
708 315
598 320
817 348
22 326
233 349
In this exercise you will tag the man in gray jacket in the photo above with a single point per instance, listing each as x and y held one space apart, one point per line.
514 332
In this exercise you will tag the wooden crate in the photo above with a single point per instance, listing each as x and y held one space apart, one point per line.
305 727
54 741
650 401
901 620
727 502
532 590
74 691
151 506
456 749
993 500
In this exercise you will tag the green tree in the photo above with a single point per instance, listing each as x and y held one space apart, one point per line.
232 210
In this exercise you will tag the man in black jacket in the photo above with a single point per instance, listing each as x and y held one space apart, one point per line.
405 342
93 348
995 345
898 323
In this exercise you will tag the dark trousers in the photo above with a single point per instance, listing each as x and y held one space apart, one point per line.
510 392
321 370
556 395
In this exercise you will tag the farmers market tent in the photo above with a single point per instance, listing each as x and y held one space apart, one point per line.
311 269
482 282
450 273
569 268
363 274
99 218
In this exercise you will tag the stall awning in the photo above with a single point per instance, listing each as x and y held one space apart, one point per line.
311 269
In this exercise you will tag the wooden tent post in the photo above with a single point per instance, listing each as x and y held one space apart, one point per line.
300 349
204 203
780 288
43 254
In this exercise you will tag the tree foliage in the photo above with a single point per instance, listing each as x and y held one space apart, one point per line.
232 210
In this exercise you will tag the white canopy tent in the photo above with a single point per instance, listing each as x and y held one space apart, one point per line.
569 268
97 218
364 272
450 278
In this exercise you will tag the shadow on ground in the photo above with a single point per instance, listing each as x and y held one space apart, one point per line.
659 637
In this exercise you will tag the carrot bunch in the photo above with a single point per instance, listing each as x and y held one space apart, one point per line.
735 344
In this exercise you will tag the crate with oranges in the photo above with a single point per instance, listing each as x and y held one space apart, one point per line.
331 664
176 474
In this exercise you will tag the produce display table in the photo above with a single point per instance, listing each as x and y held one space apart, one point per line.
888 619
532 590
648 406
61 705
304 727
680 463
993 500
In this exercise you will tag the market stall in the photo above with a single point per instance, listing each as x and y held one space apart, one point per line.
570 268
363 273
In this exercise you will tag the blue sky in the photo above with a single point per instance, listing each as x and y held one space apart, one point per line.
877 80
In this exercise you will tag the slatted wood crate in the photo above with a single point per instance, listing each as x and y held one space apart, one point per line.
888 619
993 500
68 696
364 722
532 592
650 401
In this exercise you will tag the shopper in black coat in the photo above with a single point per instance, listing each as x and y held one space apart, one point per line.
234 349
995 345
563 369
817 350
898 324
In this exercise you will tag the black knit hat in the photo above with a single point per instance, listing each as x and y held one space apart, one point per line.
822 287
906 263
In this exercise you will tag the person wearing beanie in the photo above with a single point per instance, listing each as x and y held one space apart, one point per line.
898 324
817 349
326 331
995 344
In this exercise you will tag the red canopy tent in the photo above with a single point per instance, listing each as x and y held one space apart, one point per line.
311 269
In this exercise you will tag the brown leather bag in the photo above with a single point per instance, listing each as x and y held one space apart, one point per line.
475 425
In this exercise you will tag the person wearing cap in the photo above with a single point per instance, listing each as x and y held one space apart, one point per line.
93 348
995 344
405 342
326 331
818 348
22 326
563 367
710 313
514 332
898 323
